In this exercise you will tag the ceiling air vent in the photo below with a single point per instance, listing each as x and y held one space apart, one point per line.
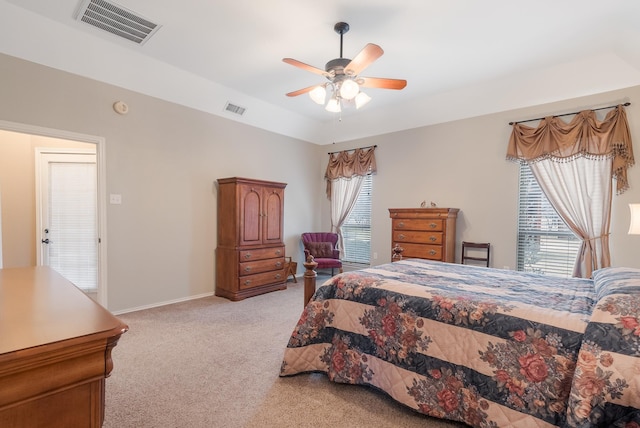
234 109
116 20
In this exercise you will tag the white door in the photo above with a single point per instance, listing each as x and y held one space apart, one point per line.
67 214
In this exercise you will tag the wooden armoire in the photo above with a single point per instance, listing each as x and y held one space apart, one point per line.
250 252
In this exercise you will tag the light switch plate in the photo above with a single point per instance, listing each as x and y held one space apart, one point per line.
115 199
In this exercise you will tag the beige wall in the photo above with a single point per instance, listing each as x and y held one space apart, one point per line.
462 165
164 159
17 181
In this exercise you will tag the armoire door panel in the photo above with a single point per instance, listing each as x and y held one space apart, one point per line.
273 219
251 220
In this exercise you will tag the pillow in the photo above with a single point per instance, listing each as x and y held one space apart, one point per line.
320 249
616 280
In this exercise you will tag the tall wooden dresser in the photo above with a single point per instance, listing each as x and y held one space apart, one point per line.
425 233
250 252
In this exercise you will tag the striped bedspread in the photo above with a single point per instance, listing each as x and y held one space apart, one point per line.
488 347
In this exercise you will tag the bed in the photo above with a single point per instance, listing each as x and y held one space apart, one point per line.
487 347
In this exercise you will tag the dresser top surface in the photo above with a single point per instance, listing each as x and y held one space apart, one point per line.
40 307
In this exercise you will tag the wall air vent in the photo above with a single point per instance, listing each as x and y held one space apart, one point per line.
115 19
234 109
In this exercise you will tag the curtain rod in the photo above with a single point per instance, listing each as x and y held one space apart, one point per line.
568 114
368 147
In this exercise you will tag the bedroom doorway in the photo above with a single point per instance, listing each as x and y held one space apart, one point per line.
20 245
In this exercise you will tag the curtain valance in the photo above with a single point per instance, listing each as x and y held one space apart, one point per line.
346 165
584 136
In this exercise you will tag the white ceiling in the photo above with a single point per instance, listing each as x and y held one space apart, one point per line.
461 58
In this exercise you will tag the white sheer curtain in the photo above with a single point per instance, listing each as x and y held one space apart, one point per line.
580 191
344 194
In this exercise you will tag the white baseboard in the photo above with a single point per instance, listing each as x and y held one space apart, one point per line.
168 302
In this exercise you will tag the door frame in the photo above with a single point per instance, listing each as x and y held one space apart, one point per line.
100 143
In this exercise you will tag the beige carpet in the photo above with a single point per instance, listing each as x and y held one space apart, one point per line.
215 363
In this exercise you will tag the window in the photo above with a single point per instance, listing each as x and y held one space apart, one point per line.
545 243
356 230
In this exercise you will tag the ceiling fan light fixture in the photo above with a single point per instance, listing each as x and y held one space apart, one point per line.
344 76
334 106
318 94
349 89
362 99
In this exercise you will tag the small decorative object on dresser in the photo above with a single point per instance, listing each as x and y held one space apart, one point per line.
250 253
397 252
425 233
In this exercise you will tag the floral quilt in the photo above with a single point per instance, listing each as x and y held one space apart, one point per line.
488 347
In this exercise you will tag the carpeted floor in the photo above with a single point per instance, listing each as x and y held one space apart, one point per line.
215 363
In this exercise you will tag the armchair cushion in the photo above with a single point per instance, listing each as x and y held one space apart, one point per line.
320 249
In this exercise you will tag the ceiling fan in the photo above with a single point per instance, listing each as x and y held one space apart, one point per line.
343 75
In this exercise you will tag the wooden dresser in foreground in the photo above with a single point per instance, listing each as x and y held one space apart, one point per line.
250 252
425 233
55 351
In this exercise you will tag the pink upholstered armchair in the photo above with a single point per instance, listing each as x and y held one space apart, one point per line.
322 246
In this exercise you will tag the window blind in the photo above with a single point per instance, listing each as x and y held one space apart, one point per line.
72 223
545 243
356 230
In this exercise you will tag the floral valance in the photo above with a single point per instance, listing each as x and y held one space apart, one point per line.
585 135
348 163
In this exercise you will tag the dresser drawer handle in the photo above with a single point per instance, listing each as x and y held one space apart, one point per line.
278 276
247 282
247 269
433 252
401 236
278 252
433 239
433 225
401 224
279 264
247 256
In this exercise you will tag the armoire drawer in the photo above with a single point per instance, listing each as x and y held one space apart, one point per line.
261 254
259 266
250 281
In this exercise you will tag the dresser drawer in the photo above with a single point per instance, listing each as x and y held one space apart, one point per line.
250 281
259 266
421 251
261 254
418 237
417 224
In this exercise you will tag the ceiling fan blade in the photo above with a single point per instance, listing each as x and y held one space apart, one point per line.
304 66
364 58
302 91
379 82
